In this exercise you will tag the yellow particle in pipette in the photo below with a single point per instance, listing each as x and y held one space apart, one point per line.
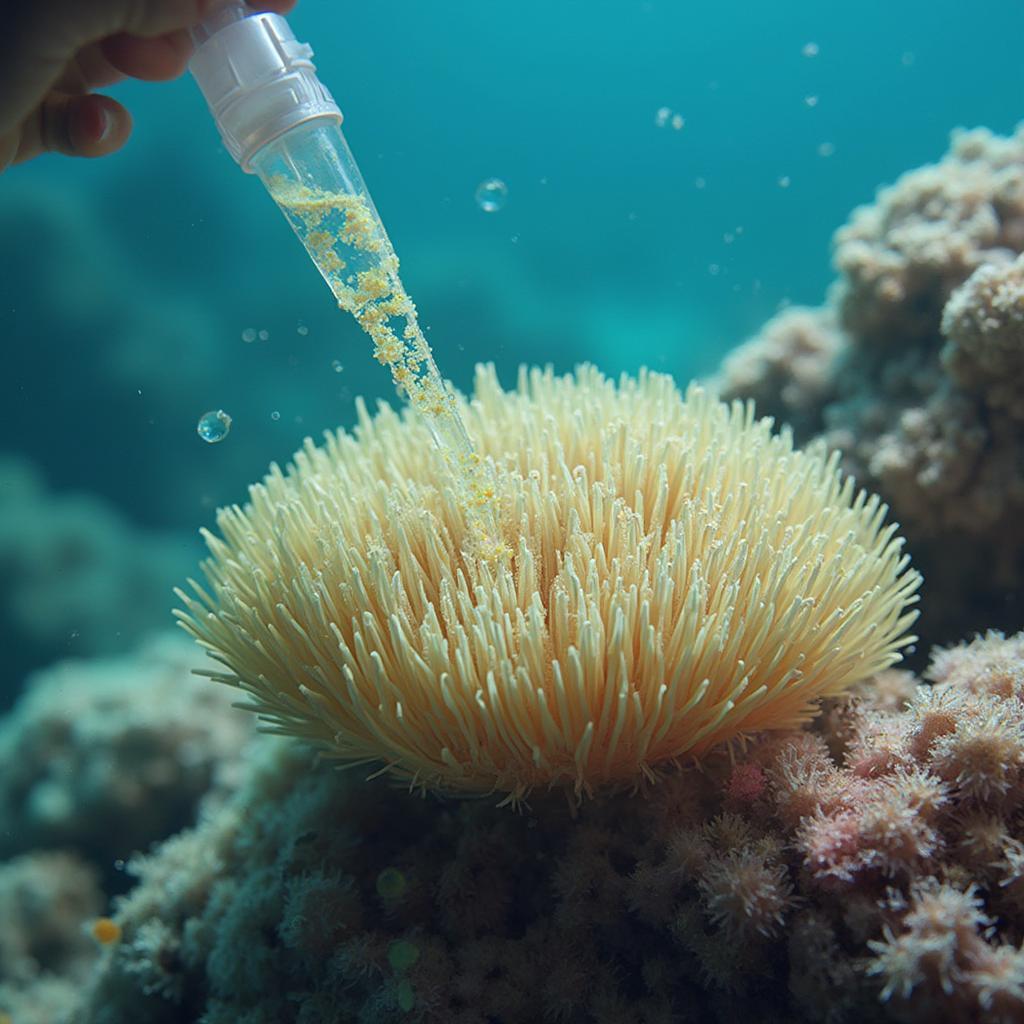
341 232
373 284
388 352
320 240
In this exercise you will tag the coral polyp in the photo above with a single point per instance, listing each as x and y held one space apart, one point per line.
680 576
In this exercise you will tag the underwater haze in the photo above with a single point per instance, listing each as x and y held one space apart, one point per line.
674 172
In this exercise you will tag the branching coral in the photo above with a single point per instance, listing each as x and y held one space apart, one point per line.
922 390
680 576
901 256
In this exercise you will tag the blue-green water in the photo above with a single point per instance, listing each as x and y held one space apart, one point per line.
129 285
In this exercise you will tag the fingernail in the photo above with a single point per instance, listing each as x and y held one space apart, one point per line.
106 125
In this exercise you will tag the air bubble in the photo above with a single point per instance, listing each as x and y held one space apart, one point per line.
336 366
491 195
214 426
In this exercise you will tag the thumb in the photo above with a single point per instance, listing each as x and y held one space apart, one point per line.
87 126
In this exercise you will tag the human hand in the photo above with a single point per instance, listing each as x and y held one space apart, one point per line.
57 51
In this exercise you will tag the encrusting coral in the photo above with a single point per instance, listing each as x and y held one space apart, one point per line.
921 373
869 868
105 757
45 954
77 577
679 576
788 369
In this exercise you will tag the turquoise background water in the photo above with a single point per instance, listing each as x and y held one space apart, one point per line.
126 284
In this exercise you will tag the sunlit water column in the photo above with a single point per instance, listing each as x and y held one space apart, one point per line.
279 122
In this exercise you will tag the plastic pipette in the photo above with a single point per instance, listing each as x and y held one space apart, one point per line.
278 121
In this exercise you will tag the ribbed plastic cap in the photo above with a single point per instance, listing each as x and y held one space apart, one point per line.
258 80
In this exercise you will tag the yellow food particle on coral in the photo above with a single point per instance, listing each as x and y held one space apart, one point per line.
106 931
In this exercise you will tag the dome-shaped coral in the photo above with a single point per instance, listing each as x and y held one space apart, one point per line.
679 575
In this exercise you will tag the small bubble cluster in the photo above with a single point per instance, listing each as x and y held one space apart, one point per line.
666 116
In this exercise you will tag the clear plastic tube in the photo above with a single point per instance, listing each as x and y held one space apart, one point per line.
311 175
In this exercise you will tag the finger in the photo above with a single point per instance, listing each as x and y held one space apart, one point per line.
158 58
154 17
154 59
87 126
88 70
39 40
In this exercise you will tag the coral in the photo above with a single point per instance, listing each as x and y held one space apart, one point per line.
901 256
75 575
45 952
939 956
789 368
983 323
896 895
108 756
923 398
680 576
